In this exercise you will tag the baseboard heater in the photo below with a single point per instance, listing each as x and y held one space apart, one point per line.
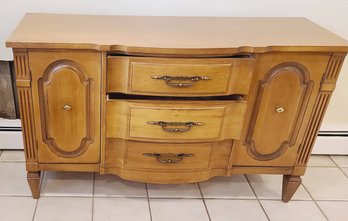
331 142
10 134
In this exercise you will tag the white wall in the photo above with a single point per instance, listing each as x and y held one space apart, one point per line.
331 14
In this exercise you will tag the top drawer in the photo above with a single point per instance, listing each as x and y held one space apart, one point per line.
179 76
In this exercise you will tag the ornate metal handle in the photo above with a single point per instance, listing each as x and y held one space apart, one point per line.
169 157
183 126
67 107
183 80
279 109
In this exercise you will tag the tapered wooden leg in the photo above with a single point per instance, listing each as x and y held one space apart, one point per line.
34 183
290 185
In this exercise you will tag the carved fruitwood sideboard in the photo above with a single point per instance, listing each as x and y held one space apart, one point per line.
172 99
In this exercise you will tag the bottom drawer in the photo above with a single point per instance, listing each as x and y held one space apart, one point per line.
167 156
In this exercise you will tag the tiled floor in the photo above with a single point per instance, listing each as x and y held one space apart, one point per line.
88 196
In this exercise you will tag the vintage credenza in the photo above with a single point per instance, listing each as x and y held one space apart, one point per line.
172 99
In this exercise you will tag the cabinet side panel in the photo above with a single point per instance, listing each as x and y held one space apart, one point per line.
23 82
321 104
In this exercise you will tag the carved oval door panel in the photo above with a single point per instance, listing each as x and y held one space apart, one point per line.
280 105
65 101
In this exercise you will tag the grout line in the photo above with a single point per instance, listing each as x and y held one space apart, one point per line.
148 201
37 202
258 200
170 198
93 196
346 175
315 202
42 174
205 205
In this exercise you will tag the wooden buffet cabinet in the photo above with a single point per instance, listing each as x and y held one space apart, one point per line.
172 99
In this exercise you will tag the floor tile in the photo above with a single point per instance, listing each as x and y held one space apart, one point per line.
121 209
113 186
235 210
293 210
341 161
235 186
12 156
13 180
67 184
270 187
178 209
320 161
63 209
9 207
334 210
174 191
324 183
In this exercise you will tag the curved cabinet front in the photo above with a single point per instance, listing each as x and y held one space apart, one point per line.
68 90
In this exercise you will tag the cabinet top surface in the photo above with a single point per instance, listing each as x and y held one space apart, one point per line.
140 34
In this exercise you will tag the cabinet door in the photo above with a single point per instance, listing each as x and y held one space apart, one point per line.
66 91
279 108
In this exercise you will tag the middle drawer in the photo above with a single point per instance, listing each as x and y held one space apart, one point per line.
179 121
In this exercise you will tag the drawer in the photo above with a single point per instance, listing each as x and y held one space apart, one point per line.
166 156
179 76
164 121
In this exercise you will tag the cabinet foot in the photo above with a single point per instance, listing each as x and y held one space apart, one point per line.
34 183
290 185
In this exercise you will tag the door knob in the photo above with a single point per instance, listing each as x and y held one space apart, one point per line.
67 107
279 109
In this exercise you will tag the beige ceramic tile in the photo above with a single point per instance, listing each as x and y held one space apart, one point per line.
13 180
178 209
320 161
235 210
235 186
121 209
12 156
64 209
270 187
324 183
10 207
67 184
341 161
113 186
293 210
334 210
174 191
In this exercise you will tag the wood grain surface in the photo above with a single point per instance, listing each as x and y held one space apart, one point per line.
173 35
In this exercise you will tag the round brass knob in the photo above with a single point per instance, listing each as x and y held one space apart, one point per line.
279 109
67 107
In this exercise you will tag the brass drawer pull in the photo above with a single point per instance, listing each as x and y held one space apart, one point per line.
169 157
183 80
180 126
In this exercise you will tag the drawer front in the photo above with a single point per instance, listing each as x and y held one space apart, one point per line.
166 156
174 121
180 77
